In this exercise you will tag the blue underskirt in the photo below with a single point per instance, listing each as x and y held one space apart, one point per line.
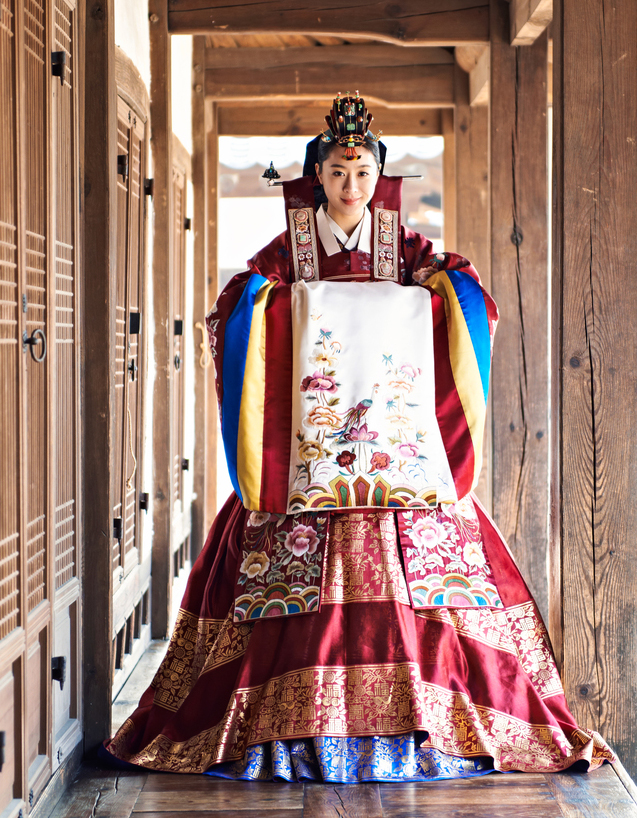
350 761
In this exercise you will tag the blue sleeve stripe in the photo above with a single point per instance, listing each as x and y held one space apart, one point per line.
471 300
235 351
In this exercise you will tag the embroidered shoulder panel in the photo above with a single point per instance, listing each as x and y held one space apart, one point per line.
305 255
385 245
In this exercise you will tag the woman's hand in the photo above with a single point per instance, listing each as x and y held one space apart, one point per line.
421 276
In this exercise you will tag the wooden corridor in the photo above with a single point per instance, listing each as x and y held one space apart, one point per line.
100 793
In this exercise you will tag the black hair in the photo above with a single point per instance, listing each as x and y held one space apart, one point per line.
371 143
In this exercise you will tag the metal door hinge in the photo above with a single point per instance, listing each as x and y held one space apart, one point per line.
149 187
185 464
187 224
135 323
179 327
58 670
144 501
58 62
117 528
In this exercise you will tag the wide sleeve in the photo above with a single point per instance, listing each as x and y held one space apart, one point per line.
249 330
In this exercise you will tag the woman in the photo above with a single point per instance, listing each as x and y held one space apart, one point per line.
354 614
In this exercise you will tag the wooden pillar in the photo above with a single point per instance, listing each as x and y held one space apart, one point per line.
595 362
212 138
201 466
519 283
161 147
471 127
449 179
99 258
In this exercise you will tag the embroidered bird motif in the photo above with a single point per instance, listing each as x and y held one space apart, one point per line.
353 417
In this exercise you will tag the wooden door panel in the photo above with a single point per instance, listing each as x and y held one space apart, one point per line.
179 200
10 348
65 303
10 722
65 644
37 679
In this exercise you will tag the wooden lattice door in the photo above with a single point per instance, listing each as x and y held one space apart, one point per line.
131 563
39 295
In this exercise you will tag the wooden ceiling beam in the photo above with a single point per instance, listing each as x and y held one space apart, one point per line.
476 61
375 54
413 86
405 22
528 19
236 119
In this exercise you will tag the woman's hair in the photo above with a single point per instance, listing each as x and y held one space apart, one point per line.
326 148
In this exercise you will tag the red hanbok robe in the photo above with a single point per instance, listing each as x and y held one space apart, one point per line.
465 667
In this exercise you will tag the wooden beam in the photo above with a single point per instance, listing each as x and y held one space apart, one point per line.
472 223
595 361
161 145
410 22
519 272
307 120
368 54
449 177
98 373
201 467
407 86
528 19
475 60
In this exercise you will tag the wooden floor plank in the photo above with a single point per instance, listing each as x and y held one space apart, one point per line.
254 812
342 801
599 794
199 793
100 793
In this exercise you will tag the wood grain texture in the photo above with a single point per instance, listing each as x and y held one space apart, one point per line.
227 813
472 223
192 793
529 18
434 22
342 800
595 212
100 793
520 385
283 119
212 193
163 237
592 795
201 468
100 254
409 86
368 54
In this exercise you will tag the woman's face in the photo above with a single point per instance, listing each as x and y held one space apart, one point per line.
348 184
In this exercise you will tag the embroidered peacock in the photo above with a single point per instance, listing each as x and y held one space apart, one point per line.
353 421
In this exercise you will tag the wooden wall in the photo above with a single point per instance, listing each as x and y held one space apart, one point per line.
595 362
519 283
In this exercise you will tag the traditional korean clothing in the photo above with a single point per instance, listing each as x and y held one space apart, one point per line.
355 614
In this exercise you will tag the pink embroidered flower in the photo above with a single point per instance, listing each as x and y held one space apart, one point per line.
410 371
380 461
256 564
258 518
426 533
318 383
407 449
360 434
301 540
472 554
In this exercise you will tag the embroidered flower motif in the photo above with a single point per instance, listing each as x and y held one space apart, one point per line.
397 419
318 383
311 450
410 371
427 533
360 434
472 554
345 459
302 540
421 276
294 567
400 385
256 564
321 357
323 416
258 518
380 461
407 449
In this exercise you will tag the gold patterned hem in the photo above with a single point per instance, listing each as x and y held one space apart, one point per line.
366 700
197 646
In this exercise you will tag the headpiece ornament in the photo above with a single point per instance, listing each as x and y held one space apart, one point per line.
348 123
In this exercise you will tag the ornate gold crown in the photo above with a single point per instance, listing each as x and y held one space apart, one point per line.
348 123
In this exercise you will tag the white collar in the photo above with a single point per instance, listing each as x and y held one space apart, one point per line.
329 231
